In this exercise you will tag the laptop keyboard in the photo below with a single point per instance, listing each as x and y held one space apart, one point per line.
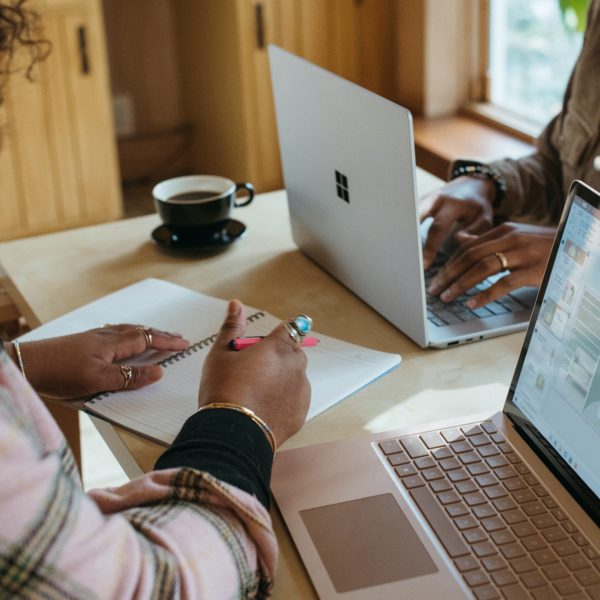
451 313
506 535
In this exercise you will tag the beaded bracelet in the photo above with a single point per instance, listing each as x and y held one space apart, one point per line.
471 167
249 413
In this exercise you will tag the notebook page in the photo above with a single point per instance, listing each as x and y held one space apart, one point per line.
335 370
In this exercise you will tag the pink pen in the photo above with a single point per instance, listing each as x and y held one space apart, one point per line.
245 342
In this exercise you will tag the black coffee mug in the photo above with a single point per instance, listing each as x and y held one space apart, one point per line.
201 201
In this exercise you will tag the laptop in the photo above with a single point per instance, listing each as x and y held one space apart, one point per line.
507 507
349 168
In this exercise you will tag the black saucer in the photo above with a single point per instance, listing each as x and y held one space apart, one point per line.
191 239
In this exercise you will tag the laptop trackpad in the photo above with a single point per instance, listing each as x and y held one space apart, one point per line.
366 542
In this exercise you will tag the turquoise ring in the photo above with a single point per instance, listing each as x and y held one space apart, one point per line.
298 327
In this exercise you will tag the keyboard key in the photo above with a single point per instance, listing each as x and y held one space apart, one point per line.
478 468
543 521
580 539
540 491
496 461
502 504
457 510
524 565
480 440
452 434
544 557
493 524
513 516
469 457
497 308
486 479
555 572
486 451
565 548
413 481
466 522
405 470
485 592
398 459
484 511
474 535
544 593
425 462
448 317
495 491
576 562
442 453
457 475
474 499
554 534
511 551
587 577
513 485
505 473
482 312
524 529
515 592
502 578
431 474
532 580
448 497
414 447
533 543
472 430
466 563
466 487
459 447
488 427
533 508
590 553
502 537
522 496
440 485
483 549
493 563
566 586
442 527
475 578
448 464
432 439
390 446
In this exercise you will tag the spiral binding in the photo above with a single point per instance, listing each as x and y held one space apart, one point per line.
174 358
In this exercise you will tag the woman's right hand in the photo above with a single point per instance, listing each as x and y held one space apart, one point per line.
269 378
465 200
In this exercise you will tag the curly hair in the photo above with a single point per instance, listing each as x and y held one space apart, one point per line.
20 27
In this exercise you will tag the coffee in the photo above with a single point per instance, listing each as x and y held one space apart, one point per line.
193 196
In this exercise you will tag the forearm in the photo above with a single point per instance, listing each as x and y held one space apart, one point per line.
229 446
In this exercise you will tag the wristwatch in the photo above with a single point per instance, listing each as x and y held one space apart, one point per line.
477 169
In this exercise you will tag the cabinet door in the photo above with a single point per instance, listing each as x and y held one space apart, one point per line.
58 161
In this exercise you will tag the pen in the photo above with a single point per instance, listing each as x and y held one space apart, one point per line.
245 342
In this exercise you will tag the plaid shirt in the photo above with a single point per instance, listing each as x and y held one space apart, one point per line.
176 533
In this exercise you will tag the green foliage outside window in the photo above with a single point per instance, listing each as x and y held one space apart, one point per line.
574 13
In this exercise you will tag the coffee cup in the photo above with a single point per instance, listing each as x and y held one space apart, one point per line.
200 201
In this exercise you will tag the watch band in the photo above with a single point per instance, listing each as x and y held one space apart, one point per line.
474 168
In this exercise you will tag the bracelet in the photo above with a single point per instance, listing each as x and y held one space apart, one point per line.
249 413
470 168
19 357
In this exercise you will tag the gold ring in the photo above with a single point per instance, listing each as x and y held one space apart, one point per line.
503 262
147 336
127 373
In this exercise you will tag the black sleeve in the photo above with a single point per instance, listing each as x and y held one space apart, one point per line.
226 444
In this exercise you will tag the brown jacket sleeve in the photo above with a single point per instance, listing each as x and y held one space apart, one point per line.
537 185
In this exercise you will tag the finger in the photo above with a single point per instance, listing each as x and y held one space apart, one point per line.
282 337
234 324
503 286
113 379
470 278
461 237
438 232
162 340
478 226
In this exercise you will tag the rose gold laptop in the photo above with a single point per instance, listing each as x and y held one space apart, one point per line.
502 508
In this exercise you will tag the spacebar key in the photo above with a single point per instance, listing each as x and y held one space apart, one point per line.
440 522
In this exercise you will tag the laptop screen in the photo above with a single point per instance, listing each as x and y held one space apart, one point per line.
555 395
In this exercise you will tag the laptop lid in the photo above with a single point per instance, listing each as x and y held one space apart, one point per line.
351 189
554 398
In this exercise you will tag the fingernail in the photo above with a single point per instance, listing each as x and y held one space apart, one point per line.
471 303
446 296
233 308
433 289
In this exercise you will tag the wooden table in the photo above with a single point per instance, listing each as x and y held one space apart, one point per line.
52 274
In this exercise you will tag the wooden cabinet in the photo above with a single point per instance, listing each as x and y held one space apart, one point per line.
224 72
58 165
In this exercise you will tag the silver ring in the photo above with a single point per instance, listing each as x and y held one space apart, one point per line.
294 333
503 261
147 336
127 373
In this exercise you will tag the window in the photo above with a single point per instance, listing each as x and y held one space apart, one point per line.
533 46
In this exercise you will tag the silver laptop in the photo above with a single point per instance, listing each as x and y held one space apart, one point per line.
504 508
349 168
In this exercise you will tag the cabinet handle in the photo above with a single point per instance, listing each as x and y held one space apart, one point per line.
84 57
260 25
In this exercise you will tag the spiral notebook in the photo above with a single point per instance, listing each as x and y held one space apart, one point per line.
336 368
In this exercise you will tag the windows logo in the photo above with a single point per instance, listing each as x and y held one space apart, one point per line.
341 184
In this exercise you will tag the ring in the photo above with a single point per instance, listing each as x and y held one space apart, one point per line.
503 262
127 373
147 336
298 327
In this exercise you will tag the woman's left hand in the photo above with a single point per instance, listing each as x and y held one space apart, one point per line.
525 248
82 364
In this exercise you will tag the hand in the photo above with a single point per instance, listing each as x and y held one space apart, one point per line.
268 378
464 200
526 248
82 364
